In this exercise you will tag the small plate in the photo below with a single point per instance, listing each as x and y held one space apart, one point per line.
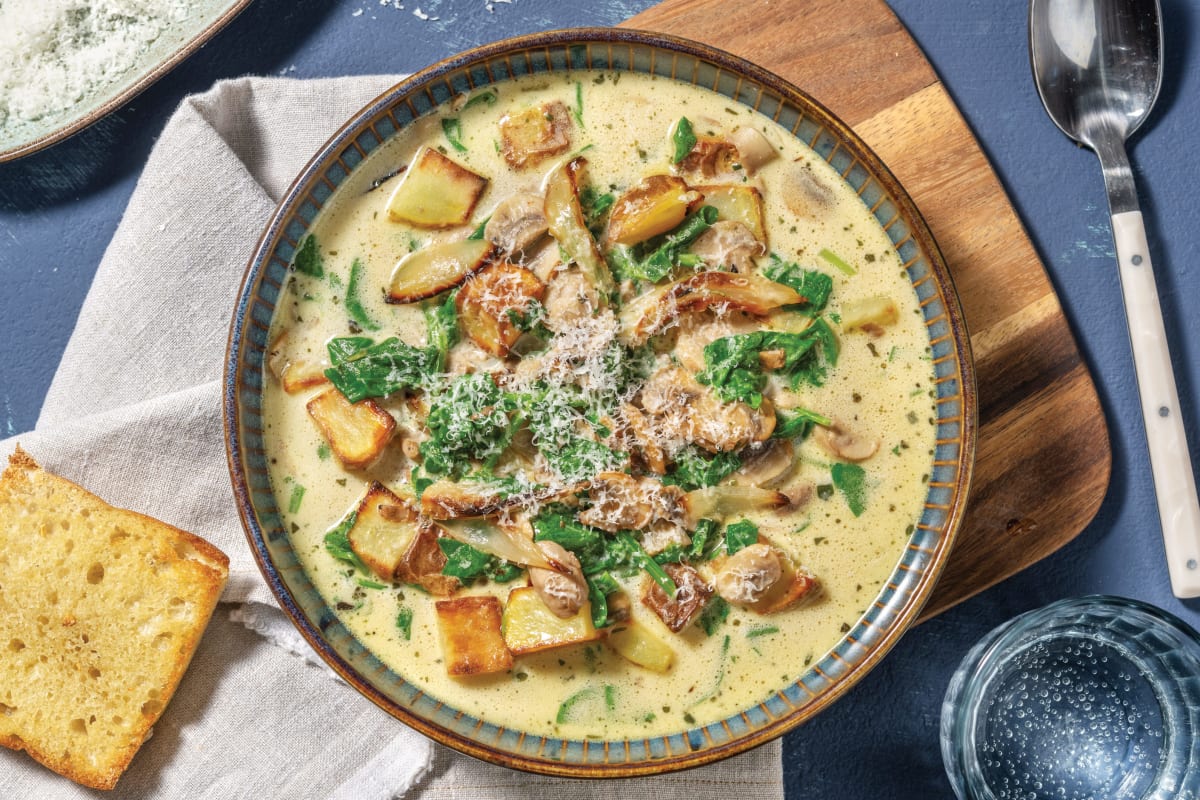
177 43
918 563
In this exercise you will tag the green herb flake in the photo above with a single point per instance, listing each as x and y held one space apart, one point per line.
404 620
564 710
354 306
683 139
577 112
477 234
825 491
488 97
762 630
323 451
369 584
296 498
834 259
452 128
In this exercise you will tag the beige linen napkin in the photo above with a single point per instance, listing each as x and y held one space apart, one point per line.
134 415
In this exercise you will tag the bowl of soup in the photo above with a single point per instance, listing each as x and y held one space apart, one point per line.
598 404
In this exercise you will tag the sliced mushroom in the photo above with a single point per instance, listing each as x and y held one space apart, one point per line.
517 223
692 592
838 440
569 297
726 427
804 194
753 148
728 244
766 466
562 589
622 502
746 576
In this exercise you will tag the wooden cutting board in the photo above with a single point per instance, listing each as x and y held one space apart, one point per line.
1043 461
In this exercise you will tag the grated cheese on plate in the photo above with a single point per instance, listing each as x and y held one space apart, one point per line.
57 55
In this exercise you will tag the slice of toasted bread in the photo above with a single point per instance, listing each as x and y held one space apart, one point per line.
100 612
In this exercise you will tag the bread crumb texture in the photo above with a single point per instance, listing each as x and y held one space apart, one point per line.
101 610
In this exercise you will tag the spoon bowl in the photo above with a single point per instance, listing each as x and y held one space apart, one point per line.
1097 65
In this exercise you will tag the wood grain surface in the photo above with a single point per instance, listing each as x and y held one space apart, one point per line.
1043 460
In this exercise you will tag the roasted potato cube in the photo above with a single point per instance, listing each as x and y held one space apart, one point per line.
435 192
871 314
567 226
390 538
737 203
471 640
651 207
676 612
634 642
294 374
356 432
489 299
383 530
532 135
434 269
530 626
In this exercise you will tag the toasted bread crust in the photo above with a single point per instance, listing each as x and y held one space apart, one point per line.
101 610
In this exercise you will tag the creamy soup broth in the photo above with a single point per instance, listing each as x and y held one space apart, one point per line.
881 388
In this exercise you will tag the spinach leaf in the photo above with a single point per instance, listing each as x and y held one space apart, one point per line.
555 415
663 258
732 366
704 541
308 259
452 127
683 138
441 322
850 480
469 564
337 543
813 285
797 423
695 469
362 369
477 234
740 534
469 421
642 560
600 586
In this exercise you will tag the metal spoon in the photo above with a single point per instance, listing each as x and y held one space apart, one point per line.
1097 65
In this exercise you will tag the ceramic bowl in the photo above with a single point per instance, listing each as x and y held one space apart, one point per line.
918 564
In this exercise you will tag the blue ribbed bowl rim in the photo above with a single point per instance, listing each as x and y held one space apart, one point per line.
928 547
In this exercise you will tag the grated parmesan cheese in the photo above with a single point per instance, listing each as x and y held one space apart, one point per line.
56 55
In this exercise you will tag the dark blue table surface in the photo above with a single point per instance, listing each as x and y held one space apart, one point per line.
58 210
